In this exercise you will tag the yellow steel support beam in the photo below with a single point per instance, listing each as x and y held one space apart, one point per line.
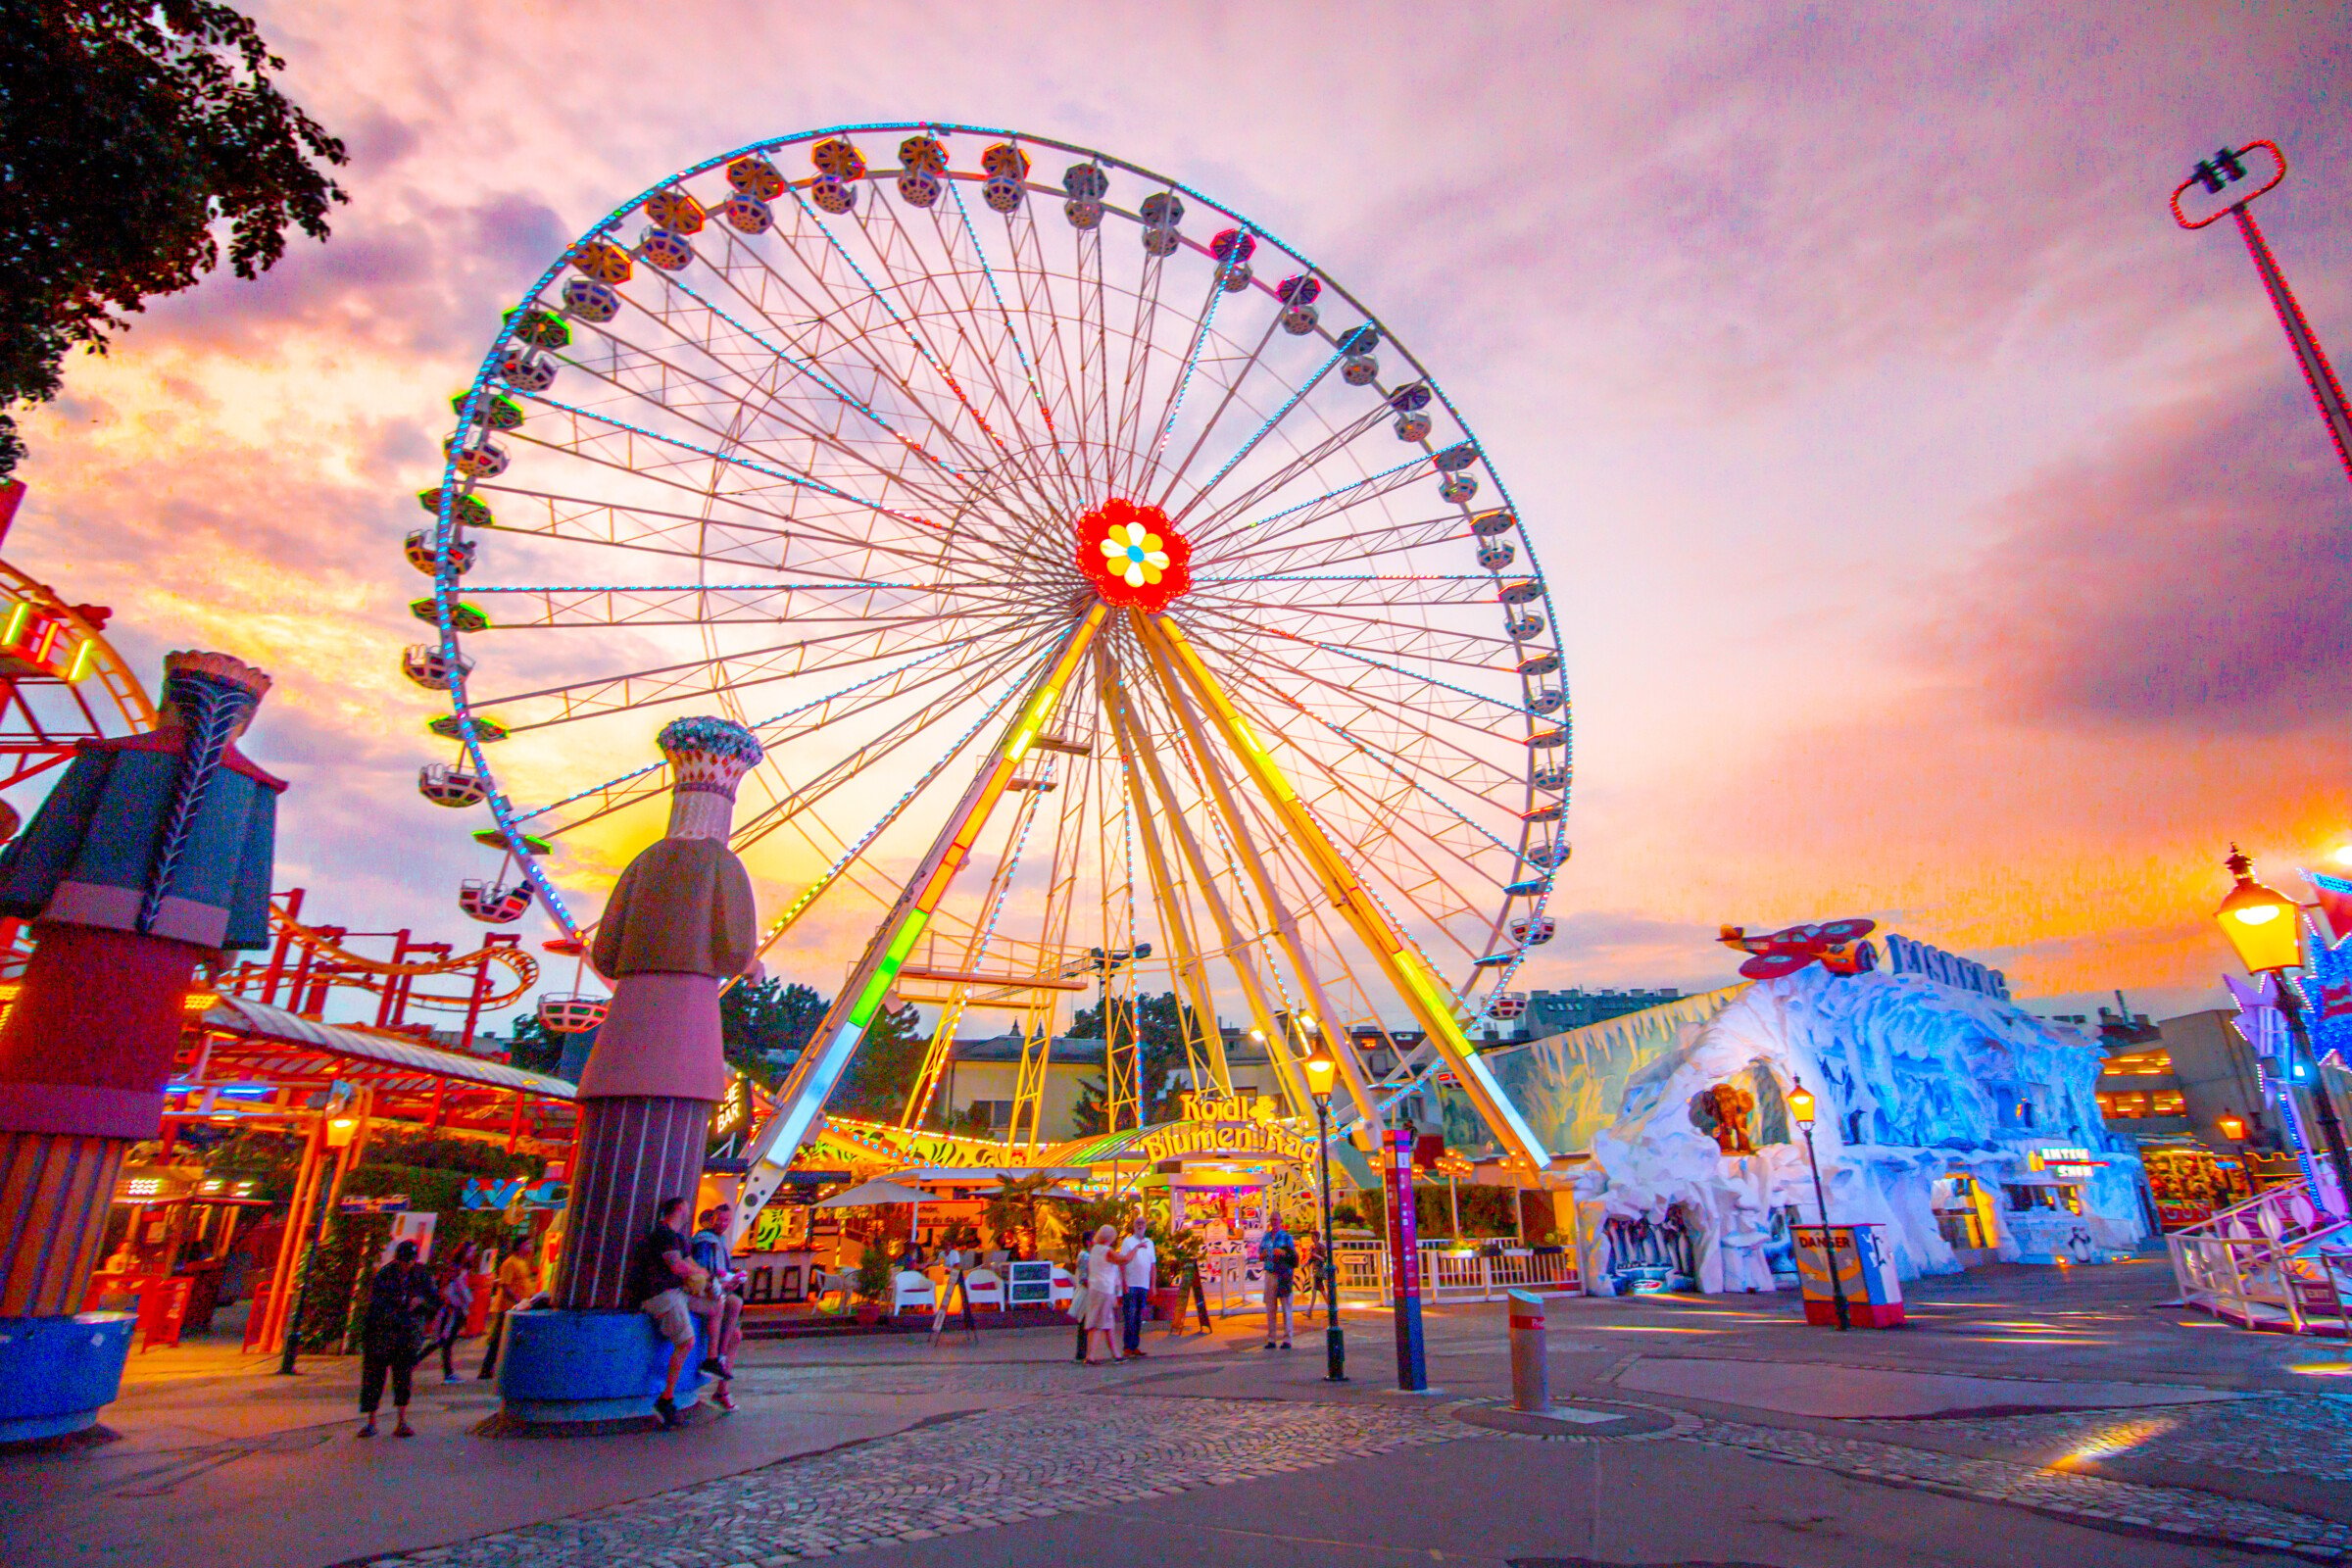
1424 994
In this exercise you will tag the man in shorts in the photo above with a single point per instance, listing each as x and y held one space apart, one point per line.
660 1272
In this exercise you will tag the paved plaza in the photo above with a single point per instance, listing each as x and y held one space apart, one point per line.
2027 1416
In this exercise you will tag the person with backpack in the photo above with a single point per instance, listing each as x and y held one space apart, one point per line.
1278 1255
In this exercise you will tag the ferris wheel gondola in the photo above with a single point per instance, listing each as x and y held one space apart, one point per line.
1087 584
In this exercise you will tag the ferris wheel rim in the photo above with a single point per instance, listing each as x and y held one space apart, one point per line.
446 587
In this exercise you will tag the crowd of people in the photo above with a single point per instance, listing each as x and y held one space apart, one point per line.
676 1278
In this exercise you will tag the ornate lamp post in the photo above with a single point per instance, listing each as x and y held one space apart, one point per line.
2266 928
1801 1107
1321 1069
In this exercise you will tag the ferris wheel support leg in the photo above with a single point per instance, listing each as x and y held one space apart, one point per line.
1188 966
803 1093
1286 928
1229 933
1424 994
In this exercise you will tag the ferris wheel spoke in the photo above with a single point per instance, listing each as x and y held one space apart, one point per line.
915 338
1353 591
897 256
1121 439
846 769
755 396
1404 638
1230 389
801 481
1389 537
556 609
792 725
1371 487
855 342
648 688
1029 363
1246 662
855 851
1182 383
1266 427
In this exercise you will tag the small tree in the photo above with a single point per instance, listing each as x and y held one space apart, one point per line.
874 1273
883 1071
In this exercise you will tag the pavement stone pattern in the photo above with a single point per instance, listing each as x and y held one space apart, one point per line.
2278 1434
2168 1511
968 1472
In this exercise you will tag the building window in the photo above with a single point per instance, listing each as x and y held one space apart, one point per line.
2124 1106
2168 1103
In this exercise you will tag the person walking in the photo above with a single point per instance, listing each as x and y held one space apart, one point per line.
1138 1270
1278 1255
1106 1282
660 1272
399 1298
723 1305
516 1286
457 1306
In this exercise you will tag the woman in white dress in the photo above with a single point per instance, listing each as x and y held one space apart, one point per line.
1104 1284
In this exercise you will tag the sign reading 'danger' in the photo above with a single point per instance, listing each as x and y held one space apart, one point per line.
1906 956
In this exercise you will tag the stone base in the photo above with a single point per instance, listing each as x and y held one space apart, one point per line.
569 1368
57 1373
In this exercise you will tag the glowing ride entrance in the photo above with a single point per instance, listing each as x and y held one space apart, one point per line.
928 474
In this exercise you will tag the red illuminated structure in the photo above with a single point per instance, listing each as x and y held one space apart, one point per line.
2214 177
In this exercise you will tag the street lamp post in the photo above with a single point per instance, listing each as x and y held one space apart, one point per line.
2266 928
1801 1105
1320 1070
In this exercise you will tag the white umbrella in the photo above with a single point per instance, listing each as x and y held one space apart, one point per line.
880 1191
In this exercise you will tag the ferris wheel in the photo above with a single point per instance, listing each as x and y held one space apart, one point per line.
1120 604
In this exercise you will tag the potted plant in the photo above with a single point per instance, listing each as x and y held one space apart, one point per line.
872 1282
1179 1257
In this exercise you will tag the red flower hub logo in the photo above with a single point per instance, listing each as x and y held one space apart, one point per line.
1132 556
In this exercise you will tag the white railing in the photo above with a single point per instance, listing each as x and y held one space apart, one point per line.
2243 1263
1455 1271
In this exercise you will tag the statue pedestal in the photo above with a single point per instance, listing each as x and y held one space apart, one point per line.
57 1373
559 1367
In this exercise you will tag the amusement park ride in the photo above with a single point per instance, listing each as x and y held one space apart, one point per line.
61 682
1100 576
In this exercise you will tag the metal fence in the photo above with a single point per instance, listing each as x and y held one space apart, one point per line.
1452 1271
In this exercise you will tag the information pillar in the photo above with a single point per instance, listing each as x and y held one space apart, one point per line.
1404 1256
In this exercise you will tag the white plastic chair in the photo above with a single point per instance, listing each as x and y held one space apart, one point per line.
910 1290
986 1290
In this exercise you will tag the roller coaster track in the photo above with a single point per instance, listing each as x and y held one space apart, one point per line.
356 969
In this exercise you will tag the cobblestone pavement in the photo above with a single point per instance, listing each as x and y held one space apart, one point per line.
2277 1434
2170 1511
965 1473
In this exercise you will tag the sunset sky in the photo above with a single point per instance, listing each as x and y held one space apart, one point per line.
1939 533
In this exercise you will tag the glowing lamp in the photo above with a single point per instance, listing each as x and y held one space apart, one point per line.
2233 1126
2260 922
1800 1104
339 1130
2343 855
1321 1069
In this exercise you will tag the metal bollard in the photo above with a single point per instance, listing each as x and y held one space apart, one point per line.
1531 1369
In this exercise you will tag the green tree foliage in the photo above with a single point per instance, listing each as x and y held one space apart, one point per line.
770 1016
1164 1022
532 1047
136 135
883 1070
